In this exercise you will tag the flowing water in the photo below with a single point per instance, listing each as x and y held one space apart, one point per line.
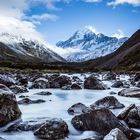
56 106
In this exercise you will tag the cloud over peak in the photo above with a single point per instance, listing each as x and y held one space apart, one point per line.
120 2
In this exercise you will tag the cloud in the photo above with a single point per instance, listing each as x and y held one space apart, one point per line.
120 2
43 17
119 34
50 4
92 1
19 27
92 28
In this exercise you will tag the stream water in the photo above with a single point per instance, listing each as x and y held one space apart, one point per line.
56 106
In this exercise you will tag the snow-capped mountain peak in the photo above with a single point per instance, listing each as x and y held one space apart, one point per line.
26 48
90 44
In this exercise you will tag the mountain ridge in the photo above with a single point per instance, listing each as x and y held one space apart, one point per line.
18 48
125 57
90 45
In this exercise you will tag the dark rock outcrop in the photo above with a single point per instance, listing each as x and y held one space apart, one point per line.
124 113
9 110
118 84
27 101
40 83
53 130
133 117
6 80
137 77
60 81
75 86
77 109
18 89
44 93
132 92
102 121
93 83
115 134
110 76
109 102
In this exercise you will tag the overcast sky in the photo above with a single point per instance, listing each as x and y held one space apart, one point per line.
55 20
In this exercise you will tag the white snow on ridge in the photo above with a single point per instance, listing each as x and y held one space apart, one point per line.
28 46
90 45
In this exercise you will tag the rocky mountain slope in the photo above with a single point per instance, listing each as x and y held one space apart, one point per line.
17 48
127 57
89 45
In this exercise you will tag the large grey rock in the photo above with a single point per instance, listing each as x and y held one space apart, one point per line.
29 125
60 82
9 110
124 113
133 117
77 109
132 92
115 134
137 77
75 86
53 130
41 83
110 76
18 89
118 84
93 83
27 101
102 121
6 80
138 84
109 102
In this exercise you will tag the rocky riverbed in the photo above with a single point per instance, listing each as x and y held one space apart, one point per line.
90 106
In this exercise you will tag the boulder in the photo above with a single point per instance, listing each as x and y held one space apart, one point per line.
44 93
138 84
27 101
77 109
60 82
137 77
67 87
115 134
102 121
3 87
117 84
18 89
112 93
23 80
93 83
76 79
9 110
109 102
132 92
6 80
124 113
29 125
133 117
52 130
41 83
110 76
75 86
23 96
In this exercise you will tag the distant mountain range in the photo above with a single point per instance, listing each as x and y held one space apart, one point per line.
127 57
90 45
17 48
